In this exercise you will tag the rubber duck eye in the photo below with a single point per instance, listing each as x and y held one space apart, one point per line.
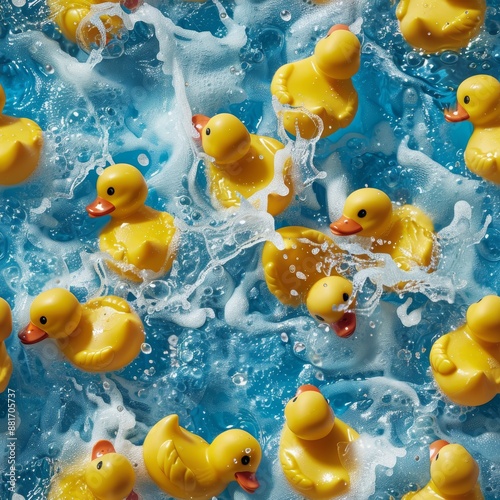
99 465
319 318
245 459
207 131
437 456
294 399
43 320
345 296
111 191
466 99
362 213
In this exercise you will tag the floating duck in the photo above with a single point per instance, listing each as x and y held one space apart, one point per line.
69 14
304 272
437 25
454 475
21 142
109 476
243 162
100 336
137 235
405 233
5 329
321 84
185 466
478 100
311 445
466 362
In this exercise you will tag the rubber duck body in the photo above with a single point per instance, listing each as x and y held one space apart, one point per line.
466 362
454 475
137 235
321 84
243 163
303 272
405 233
478 100
311 445
5 330
21 142
437 25
100 336
185 466
109 476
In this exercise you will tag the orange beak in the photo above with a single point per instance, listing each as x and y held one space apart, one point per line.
200 122
346 325
457 115
345 226
337 27
99 207
247 480
32 334
305 388
102 447
436 446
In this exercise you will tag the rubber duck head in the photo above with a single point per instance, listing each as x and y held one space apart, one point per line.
478 100
308 415
328 301
453 470
223 137
338 54
235 454
54 313
110 476
367 211
483 319
5 320
121 191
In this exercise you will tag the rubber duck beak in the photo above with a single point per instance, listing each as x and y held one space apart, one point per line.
456 115
99 207
32 334
346 325
345 227
200 122
337 27
305 388
247 480
102 447
436 446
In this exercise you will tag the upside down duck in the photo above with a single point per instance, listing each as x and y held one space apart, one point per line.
102 335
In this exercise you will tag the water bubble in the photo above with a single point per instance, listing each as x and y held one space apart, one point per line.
106 385
284 337
146 348
18 3
143 160
285 15
489 247
239 379
120 408
173 340
299 347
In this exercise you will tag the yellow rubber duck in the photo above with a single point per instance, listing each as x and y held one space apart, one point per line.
303 272
109 476
21 142
100 336
311 444
454 475
137 235
5 329
243 162
405 233
466 362
185 466
322 84
478 100
437 25
68 15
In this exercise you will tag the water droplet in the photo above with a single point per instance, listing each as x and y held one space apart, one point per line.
18 3
299 347
284 337
146 348
106 385
285 15
119 408
143 160
173 340
239 379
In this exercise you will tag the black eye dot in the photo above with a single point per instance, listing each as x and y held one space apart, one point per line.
437 456
245 459
43 320
294 399
345 296
207 131
99 465
111 191
362 213
319 318
466 99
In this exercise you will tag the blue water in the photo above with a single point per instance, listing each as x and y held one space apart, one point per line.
222 351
